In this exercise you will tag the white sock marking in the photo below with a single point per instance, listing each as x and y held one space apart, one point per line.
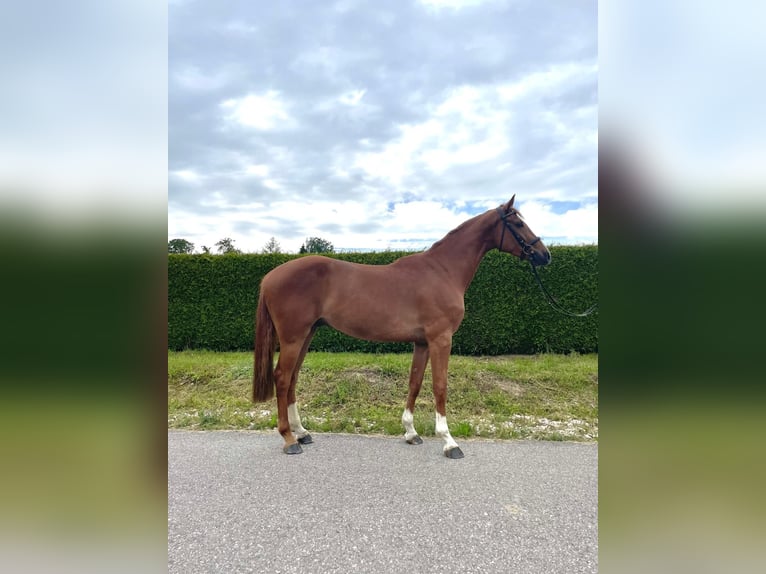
443 431
409 428
295 421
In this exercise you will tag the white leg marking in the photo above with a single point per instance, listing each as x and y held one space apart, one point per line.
443 431
409 428
295 421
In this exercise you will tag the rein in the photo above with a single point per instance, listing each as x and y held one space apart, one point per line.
526 249
554 303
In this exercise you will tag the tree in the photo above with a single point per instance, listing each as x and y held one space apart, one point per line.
317 245
226 245
180 246
272 246
205 250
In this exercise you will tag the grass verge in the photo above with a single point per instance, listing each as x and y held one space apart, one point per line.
548 397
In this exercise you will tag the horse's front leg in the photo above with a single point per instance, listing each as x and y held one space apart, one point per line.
419 362
440 351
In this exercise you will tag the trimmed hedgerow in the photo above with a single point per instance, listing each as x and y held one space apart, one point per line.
212 300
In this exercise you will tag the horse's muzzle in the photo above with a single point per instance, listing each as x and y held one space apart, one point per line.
541 257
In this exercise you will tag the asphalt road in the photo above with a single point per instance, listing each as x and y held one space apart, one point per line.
376 504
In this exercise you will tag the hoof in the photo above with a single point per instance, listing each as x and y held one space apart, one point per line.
454 452
294 448
415 440
305 439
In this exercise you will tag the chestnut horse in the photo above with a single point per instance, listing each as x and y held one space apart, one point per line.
418 299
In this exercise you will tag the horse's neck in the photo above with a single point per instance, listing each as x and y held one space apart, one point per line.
461 250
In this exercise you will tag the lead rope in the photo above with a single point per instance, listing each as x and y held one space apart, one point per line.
555 303
526 248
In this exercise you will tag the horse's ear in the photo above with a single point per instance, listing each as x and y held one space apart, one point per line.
507 207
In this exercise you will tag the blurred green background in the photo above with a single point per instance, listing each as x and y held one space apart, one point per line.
681 395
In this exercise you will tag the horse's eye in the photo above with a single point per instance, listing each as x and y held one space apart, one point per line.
520 224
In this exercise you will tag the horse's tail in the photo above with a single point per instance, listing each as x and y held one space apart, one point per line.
265 344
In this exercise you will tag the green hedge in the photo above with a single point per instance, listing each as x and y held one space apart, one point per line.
212 300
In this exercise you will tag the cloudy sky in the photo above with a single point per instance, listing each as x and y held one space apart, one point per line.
379 125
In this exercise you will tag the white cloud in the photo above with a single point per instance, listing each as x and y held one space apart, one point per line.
473 124
214 199
580 224
187 175
423 220
465 127
260 170
549 80
265 112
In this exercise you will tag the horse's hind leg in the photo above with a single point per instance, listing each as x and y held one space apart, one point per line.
419 362
293 417
283 375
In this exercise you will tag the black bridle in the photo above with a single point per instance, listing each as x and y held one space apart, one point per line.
526 248
526 253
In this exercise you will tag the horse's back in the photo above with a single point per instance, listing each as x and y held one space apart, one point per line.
304 269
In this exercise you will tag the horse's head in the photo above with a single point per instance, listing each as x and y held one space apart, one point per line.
517 238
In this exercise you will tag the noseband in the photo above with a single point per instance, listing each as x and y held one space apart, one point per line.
526 248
